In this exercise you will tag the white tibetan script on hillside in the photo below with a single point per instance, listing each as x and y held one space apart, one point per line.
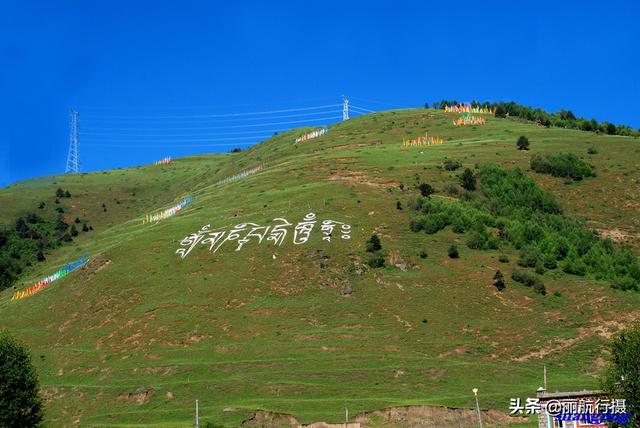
275 233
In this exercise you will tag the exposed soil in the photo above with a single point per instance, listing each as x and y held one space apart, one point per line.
394 417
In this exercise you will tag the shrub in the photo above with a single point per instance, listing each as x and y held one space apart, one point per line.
451 189
426 190
453 252
67 194
376 261
592 151
423 254
398 205
42 205
498 281
451 165
373 244
76 221
530 256
468 180
84 227
59 193
415 225
73 231
565 165
20 404
503 258
529 280
523 143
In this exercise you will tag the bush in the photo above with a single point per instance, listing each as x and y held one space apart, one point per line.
451 165
415 225
426 190
453 252
523 143
498 281
503 258
451 189
373 244
376 261
20 404
67 194
398 205
84 227
468 180
423 254
59 193
592 151
565 165
529 280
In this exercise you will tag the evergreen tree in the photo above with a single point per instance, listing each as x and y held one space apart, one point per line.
468 180
59 193
453 252
523 143
20 404
373 244
622 377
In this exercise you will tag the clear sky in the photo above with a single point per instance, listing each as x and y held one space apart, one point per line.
159 78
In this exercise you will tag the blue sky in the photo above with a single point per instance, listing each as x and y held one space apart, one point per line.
143 73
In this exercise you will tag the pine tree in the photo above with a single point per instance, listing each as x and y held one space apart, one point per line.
373 244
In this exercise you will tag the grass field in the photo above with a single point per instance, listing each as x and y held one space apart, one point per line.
242 331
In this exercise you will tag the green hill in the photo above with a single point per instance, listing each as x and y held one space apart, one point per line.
138 334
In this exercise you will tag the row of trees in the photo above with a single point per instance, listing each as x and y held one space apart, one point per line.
562 118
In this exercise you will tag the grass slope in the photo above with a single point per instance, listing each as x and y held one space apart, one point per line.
242 331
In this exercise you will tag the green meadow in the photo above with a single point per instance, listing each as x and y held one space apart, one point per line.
136 336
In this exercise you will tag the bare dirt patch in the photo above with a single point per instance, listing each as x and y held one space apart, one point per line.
139 396
394 417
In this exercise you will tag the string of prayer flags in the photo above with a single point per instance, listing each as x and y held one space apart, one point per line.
64 271
164 161
169 212
241 175
467 108
468 119
313 134
426 140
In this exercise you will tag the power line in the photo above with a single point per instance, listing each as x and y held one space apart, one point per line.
175 135
216 121
236 126
192 140
210 115
362 108
166 145
378 102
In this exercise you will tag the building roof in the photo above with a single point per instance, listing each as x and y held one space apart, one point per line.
570 394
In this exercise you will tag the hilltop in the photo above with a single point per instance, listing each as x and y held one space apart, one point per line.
140 332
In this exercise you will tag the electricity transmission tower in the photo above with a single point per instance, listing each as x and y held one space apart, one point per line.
73 159
345 108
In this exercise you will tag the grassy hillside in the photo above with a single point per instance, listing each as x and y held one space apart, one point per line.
140 333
